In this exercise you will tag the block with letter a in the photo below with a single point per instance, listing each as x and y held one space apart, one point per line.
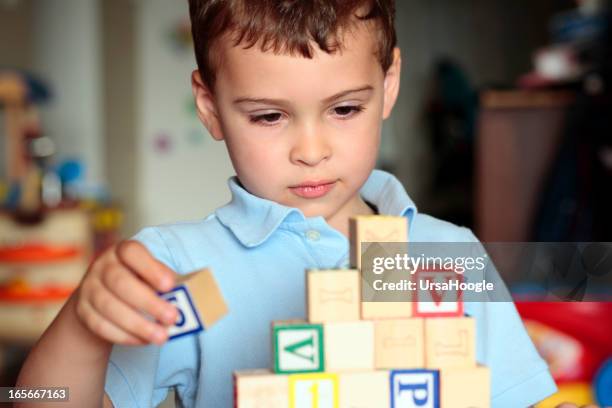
415 388
435 295
297 347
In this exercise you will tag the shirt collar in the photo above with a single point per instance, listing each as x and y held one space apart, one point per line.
253 219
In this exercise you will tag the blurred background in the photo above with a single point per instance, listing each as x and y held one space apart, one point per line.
503 124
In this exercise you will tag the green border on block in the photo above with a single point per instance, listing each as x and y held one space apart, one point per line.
281 327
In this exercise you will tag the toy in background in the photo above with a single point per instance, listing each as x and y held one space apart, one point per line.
574 338
350 353
48 232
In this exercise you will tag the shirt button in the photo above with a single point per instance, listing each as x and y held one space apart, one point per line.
313 235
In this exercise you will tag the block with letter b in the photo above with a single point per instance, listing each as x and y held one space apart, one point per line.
199 303
450 342
333 295
436 296
319 390
415 388
297 347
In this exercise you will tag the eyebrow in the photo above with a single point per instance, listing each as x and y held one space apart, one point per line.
332 98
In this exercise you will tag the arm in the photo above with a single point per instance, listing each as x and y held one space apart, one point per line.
68 355
106 309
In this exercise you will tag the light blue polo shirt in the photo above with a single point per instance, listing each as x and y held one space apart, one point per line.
258 251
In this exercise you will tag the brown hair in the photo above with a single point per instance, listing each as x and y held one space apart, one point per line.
286 26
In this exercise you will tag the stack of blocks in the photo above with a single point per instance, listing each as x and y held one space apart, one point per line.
354 354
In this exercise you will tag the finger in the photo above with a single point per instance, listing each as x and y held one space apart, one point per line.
105 328
136 257
125 318
127 287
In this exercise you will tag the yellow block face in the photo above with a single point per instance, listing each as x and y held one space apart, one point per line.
349 345
450 342
465 387
375 228
314 390
333 295
261 388
368 389
399 343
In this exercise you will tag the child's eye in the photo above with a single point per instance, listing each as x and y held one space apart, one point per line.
266 119
348 111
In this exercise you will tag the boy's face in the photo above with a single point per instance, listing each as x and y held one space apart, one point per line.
302 132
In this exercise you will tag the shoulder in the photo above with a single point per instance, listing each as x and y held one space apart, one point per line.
184 245
425 228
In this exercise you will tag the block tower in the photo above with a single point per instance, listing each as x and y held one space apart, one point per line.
354 354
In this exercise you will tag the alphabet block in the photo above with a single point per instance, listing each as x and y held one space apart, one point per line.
386 310
260 388
199 302
378 228
434 302
450 342
399 343
349 345
297 347
415 389
366 389
375 228
333 295
465 387
314 390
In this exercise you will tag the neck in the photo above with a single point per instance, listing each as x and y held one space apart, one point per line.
340 220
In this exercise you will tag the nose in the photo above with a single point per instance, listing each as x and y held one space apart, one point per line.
311 147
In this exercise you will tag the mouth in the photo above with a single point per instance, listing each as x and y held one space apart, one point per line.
313 189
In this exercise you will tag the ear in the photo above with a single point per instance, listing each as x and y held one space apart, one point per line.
392 83
205 106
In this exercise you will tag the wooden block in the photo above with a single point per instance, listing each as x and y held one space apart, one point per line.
349 345
415 388
374 228
333 295
399 343
199 302
465 387
260 388
450 342
386 310
366 389
378 228
434 302
314 390
297 347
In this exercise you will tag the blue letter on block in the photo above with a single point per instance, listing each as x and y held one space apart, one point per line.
415 389
188 321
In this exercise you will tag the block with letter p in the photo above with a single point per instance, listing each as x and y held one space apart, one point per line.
199 303
415 388
432 298
297 347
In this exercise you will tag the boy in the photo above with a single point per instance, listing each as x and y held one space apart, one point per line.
298 91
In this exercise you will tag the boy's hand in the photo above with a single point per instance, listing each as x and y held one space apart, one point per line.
119 287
